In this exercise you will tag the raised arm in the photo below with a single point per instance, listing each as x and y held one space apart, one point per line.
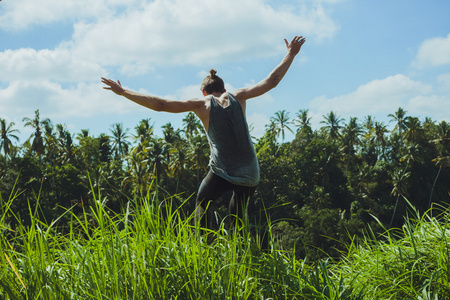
276 75
153 102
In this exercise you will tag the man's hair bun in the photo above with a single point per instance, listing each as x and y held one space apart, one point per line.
212 83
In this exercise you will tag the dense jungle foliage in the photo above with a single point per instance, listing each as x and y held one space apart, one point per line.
320 189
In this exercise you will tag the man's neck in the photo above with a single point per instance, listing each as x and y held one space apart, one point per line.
217 94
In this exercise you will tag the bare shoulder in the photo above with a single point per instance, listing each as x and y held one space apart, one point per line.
240 94
246 93
196 101
193 103
201 106
258 89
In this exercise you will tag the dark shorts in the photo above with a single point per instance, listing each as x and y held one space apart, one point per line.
213 186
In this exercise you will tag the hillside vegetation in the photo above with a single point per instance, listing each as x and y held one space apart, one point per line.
153 252
109 215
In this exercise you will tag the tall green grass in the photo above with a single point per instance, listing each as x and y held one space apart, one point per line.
411 262
152 251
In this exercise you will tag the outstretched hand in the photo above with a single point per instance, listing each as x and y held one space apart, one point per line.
295 45
116 87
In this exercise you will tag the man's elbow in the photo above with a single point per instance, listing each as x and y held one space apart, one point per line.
273 81
162 108
163 105
158 107
166 106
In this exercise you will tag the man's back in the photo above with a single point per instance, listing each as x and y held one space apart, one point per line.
232 153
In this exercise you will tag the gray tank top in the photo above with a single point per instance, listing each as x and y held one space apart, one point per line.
233 156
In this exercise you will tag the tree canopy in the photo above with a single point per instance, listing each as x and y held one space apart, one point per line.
322 187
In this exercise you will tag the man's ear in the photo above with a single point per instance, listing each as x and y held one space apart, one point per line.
204 93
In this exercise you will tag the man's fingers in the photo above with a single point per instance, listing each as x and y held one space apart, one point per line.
104 80
297 39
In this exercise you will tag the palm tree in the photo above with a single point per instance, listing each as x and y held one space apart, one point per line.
191 124
442 136
38 143
119 140
442 143
413 130
427 123
103 143
85 150
198 153
281 121
144 131
351 133
379 136
51 144
397 141
399 177
302 120
399 183
399 117
368 122
368 125
172 140
268 142
171 135
155 153
6 134
65 144
442 162
272 131
332 127
139 175
83 134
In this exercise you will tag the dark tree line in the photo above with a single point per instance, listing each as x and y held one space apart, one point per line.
319 189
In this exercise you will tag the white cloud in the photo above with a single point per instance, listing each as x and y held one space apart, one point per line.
433 52
444 81
82 101
145 34
188 92
377 97
196 32
136 69
435 106
21 14
331 1
30 65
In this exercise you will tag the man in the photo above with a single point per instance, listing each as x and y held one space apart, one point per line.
233 162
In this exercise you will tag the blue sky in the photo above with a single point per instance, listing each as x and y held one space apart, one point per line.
360 58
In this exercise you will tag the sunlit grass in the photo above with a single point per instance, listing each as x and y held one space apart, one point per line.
411 262
152 251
